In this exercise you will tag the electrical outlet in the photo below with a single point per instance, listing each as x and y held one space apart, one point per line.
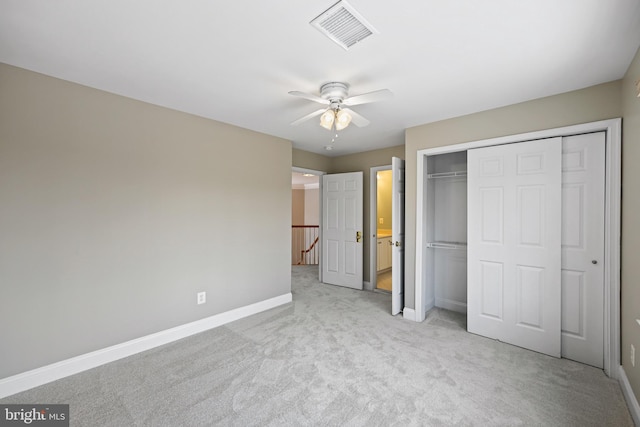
202 297
633 355
381 220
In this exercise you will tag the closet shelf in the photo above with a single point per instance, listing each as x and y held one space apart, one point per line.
447 174
447 245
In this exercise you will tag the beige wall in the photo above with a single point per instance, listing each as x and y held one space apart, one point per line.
307 160
582 106
631 223
115 213
312 206
297 207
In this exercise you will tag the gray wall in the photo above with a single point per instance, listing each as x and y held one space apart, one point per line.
114 213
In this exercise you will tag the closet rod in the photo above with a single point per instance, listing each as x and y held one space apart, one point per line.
447 245
447 174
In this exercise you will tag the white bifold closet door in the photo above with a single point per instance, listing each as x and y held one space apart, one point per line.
514 244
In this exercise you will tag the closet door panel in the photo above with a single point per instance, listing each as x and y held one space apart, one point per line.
531 211
530 291
491 209
514 213
583 224
491 290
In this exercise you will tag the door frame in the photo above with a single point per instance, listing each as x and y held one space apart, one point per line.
613 179
373 226
398 196
319 174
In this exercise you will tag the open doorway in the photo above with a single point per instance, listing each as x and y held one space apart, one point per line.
381 228
305 217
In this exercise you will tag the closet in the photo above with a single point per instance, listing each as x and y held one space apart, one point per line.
446 231
515 239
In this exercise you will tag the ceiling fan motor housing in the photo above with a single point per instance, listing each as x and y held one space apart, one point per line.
335 92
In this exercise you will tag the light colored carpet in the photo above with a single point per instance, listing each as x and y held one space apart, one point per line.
333 357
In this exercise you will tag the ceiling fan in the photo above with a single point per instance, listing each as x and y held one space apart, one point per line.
336 96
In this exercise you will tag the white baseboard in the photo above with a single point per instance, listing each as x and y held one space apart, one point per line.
448 304
409 314
367 286
55 371
629 396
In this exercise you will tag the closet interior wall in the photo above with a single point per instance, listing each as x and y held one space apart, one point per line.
446 231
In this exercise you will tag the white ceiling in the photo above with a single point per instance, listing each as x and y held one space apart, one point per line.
235 61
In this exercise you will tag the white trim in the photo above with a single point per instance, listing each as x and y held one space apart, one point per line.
613 171
373 223
55 371
367 285
305 170
448 304
612 245
311 186
409 314
629 396
421 240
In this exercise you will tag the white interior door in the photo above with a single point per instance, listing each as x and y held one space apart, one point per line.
514 255
342 229
583 192
397 235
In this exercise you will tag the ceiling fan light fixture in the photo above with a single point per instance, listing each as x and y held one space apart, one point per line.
343 118
327 118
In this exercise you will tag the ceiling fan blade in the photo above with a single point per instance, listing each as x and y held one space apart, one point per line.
310 97
356 118
365 98
308 116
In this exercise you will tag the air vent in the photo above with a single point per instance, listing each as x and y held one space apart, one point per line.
342 24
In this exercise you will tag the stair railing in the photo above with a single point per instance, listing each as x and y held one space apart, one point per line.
304 244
